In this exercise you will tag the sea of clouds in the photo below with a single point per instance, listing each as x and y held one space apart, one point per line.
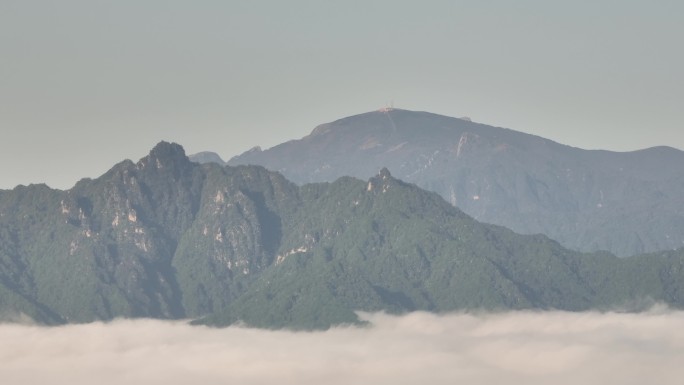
418 348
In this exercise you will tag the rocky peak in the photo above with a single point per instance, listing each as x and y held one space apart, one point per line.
381 182
166 150
384 173
165 155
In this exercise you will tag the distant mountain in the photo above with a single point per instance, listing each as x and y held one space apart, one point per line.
206 157
169 238
627 203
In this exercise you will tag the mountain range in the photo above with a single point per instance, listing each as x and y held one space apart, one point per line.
627 203
168 238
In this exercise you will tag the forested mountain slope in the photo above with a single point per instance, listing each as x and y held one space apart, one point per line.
169 238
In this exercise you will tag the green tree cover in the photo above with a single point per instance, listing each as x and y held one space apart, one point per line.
168 238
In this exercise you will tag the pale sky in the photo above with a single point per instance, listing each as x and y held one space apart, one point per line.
86 84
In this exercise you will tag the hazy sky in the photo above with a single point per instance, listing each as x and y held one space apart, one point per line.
85 84
512 348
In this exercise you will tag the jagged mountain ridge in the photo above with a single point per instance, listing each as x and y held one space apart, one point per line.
589 200
169 238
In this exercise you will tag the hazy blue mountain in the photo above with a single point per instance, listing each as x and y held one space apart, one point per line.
206 157
627 203
169 238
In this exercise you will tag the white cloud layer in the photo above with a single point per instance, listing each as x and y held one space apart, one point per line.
419 348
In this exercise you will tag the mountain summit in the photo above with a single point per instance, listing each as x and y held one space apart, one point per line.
627 203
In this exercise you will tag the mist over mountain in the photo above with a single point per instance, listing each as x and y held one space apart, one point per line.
588 200
173 239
